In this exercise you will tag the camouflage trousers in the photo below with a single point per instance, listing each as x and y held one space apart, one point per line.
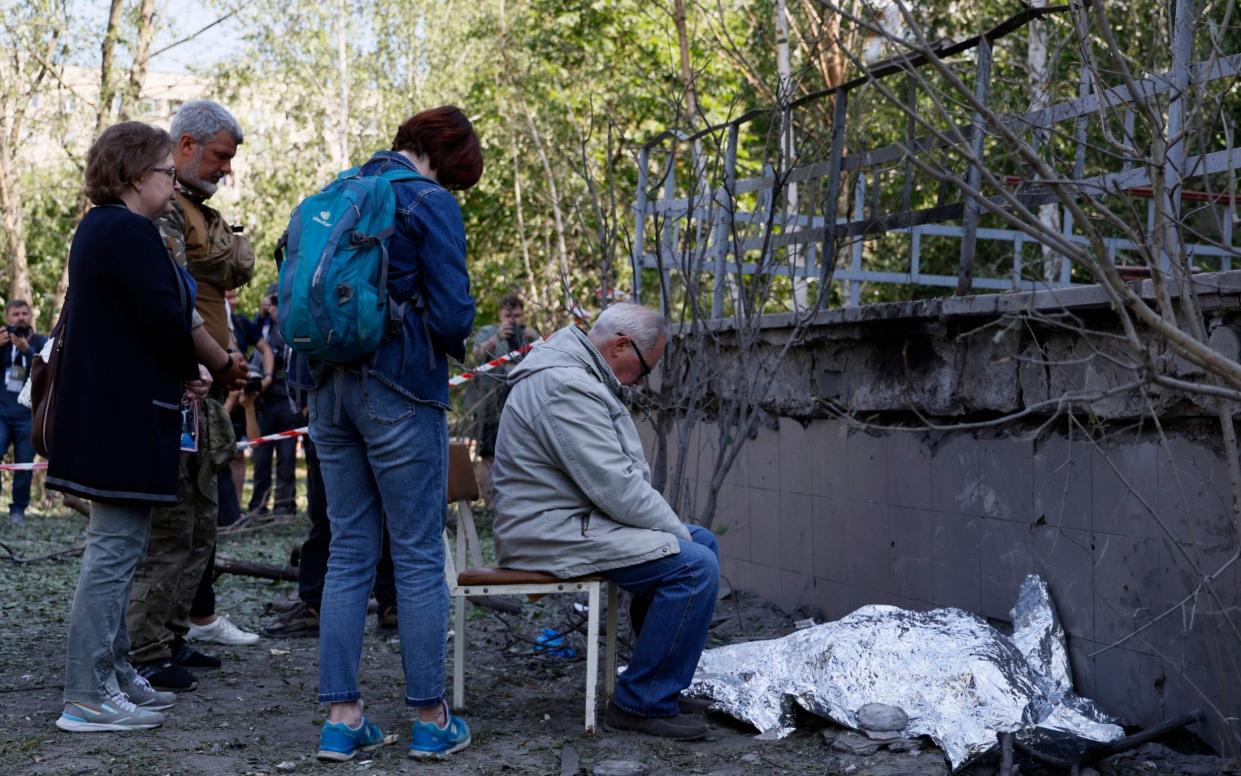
182 538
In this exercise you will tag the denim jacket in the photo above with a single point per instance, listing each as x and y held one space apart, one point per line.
427 278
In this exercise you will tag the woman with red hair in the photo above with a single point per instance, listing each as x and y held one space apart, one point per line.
380 431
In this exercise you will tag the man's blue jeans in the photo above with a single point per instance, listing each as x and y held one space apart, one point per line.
682 590
16 431
385 452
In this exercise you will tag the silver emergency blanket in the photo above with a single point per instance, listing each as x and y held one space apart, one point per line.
960 680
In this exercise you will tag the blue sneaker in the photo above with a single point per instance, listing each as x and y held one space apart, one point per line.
338 742
429 741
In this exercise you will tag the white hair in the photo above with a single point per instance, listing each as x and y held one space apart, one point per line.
203 120
641 324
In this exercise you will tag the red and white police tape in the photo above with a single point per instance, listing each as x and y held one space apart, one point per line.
464 377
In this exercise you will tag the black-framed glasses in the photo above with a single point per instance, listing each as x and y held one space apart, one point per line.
646 369
171 172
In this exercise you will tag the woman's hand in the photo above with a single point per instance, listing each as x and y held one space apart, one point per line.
197 389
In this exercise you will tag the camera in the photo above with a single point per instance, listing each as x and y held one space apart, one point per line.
19 331
518 337
254 382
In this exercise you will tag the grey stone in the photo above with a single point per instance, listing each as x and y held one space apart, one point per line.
619 768
882 735
750 758
882 717
905 745
855 743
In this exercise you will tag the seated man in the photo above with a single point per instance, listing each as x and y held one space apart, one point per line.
573 497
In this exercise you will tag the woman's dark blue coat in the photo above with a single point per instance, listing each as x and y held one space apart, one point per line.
128 349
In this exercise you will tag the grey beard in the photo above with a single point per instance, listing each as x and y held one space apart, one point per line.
204 186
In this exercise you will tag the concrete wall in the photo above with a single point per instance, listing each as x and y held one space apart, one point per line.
827 515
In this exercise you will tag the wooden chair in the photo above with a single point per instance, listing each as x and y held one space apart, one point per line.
480 580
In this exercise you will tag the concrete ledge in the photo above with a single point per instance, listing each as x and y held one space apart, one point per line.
1216 290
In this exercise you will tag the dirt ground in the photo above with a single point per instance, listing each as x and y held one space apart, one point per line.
257 715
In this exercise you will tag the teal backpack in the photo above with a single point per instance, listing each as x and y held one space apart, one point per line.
333 298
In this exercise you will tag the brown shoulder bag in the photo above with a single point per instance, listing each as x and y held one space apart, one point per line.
43 376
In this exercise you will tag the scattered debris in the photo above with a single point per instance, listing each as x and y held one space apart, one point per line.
286 765
570 763
619 768
882 718
855 743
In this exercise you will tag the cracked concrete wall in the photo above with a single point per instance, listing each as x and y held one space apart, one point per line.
1124 521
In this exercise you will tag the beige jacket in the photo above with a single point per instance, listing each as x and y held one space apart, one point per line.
572 488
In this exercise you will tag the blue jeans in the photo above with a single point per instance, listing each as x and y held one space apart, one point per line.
16 431
682 590
384 452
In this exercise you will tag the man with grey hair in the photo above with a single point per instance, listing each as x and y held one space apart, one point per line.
573 496
166 605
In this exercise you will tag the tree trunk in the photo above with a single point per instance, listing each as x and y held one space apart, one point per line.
1040 97
142 59
687 74
342 59
103 112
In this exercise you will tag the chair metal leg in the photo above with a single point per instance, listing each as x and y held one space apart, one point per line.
592 656
458 654
609 665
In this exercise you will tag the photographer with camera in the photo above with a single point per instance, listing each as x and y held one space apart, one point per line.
488 394
276 413
18 345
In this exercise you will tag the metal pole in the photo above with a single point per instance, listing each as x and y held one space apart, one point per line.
639 224
725 229
969 237
832 201
1174 161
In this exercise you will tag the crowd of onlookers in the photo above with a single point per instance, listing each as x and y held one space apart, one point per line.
362 360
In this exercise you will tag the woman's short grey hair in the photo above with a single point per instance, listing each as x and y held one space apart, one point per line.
641 324
203 120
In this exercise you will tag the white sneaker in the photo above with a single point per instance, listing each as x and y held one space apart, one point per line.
221 632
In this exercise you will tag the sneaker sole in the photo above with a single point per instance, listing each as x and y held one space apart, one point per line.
327 755
418 754
100 727
226 643
152 707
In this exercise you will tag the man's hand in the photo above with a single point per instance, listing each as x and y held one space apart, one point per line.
198 388
22 343
505 331
4 336
234 373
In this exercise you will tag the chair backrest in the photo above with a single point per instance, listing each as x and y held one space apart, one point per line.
462 485
462 489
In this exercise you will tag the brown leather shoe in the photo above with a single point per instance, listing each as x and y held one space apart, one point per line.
682 727
689 705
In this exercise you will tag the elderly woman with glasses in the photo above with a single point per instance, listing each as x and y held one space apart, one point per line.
118 424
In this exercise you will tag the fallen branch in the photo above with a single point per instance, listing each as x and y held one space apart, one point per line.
247 568
79 505
13 557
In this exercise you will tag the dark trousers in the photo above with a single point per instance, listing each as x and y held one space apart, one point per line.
16 431
275 415
313 568
203 604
